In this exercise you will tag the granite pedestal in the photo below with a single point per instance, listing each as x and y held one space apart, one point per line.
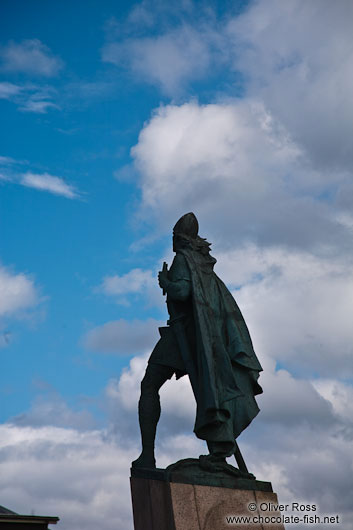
165 502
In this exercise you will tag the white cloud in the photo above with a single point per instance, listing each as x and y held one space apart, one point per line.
77 476
283 52
9 90
201 144
50 183
50 409
176 395
41 181
11 171
17 292
29 97
169 60
39 106
88 90
236 159
299 459
288 401
136 282
30 57
302 72
126 389
178 411
131 282
6 160
340 395
123 336
296 445
18 297
287 299
5 339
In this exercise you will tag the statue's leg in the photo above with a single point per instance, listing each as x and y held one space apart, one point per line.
219 450
150 410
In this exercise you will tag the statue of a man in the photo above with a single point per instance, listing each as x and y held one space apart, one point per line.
206 338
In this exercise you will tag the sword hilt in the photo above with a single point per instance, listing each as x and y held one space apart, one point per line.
164 269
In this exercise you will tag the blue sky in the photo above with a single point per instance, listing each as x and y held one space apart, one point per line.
66 245
116 119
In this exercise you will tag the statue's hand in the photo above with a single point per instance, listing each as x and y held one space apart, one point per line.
163 277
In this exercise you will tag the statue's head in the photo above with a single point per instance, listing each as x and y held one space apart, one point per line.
185 236
187 226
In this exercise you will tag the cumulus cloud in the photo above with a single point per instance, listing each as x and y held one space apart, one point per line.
281 51
340 396
302 72
288 401
169 60
17 292
50 183
297 455
177 418
123 337
136 282
305 457
50 409
30 57
131 282
287 298
19 295
76 475
234 158
178 401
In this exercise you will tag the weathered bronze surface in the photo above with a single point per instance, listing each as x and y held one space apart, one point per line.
173 474
207 339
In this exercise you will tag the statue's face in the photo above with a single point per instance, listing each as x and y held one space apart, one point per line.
176 242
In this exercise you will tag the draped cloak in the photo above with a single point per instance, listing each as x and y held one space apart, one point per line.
225 368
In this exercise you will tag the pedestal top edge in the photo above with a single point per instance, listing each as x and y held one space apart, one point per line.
217 482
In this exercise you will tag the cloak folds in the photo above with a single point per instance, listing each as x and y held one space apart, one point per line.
226 368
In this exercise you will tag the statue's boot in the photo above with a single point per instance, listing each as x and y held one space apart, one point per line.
146 460
219 451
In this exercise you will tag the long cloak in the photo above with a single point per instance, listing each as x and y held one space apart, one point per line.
226 365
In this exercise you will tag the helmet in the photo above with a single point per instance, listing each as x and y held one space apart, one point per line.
187 225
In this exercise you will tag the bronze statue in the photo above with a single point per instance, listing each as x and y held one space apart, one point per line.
206 338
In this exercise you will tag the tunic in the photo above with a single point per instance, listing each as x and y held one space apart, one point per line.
179 303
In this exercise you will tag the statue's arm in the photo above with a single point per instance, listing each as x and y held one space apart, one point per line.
176 282
178 289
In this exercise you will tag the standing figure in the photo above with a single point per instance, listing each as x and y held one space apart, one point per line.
206 338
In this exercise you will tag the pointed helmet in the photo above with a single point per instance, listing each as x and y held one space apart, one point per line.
187 225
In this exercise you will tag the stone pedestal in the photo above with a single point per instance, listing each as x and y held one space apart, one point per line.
161 504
